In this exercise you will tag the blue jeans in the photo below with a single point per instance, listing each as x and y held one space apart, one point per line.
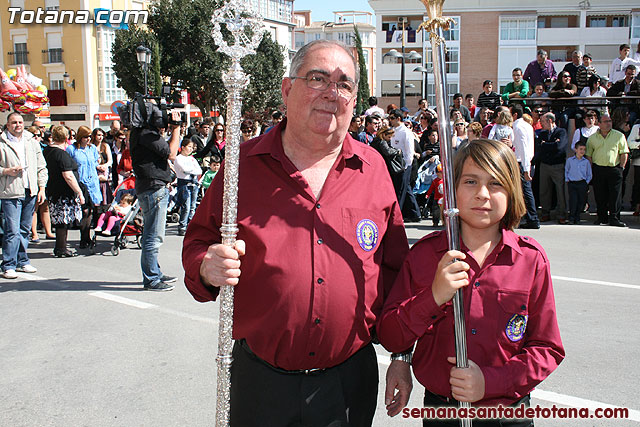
154 211
531 217
188 196
18 214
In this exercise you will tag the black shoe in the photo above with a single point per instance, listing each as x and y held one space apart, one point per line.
599 221
168 279
83 245
160 286
617 223
64 254
530 225
412 219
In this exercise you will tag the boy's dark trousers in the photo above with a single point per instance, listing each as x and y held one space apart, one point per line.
577 198
435 401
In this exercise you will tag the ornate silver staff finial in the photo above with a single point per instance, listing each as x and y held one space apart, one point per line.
436 25
246 29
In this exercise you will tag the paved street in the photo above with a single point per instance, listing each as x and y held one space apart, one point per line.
82 345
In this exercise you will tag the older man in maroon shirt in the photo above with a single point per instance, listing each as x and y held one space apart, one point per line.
324 242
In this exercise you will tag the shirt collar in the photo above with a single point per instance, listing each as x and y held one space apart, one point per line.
11 138
509 239
271 143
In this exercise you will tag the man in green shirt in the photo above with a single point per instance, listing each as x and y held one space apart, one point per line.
516 89
607 151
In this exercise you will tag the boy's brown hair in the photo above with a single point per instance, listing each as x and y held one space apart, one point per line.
497 160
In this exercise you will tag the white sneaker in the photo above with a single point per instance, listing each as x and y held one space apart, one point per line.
97 229
9 274
27 269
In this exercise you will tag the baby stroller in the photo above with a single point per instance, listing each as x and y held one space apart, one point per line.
129 226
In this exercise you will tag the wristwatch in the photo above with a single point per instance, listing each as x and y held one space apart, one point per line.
405 357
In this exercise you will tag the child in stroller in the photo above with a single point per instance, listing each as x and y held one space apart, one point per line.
115 214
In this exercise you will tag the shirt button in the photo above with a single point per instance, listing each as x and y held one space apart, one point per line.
313 353
317 321
320 241
318 206
476 284
320 280
434 317
473 331
523 307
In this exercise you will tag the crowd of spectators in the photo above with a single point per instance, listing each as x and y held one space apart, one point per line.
543 115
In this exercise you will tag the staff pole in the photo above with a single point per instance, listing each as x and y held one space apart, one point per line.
246 33
435 26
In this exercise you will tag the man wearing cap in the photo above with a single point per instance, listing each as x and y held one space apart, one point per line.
540 70
313 261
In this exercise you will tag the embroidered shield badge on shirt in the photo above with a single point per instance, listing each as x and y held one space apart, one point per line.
367 234
516 327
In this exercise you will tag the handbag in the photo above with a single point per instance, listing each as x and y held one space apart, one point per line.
396 163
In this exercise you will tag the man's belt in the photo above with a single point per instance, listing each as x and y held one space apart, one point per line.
313 371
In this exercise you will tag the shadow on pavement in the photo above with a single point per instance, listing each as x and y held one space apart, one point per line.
63 284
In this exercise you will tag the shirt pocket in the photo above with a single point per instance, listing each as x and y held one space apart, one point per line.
513 317
363 229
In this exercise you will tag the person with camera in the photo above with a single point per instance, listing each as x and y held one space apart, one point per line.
150 155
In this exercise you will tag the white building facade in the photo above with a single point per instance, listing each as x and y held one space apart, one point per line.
341 29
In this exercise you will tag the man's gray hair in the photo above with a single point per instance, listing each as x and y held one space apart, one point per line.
577 52
542 52
301 55
550 116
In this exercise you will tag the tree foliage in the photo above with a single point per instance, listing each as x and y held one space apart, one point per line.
180 37
125 62
266 69
189 55
363 85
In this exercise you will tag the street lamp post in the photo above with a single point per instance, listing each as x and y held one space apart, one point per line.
395 54
425 80
144 59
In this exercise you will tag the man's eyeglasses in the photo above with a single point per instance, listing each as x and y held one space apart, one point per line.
538 111
317 81
246 131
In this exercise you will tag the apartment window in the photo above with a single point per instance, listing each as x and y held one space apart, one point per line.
17 3
452 60
20 53
54 48
453 33
517 29
635 26
56 81
620 21
109 90
52 4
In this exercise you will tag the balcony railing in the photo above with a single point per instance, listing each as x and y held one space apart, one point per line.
52 56
18 57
